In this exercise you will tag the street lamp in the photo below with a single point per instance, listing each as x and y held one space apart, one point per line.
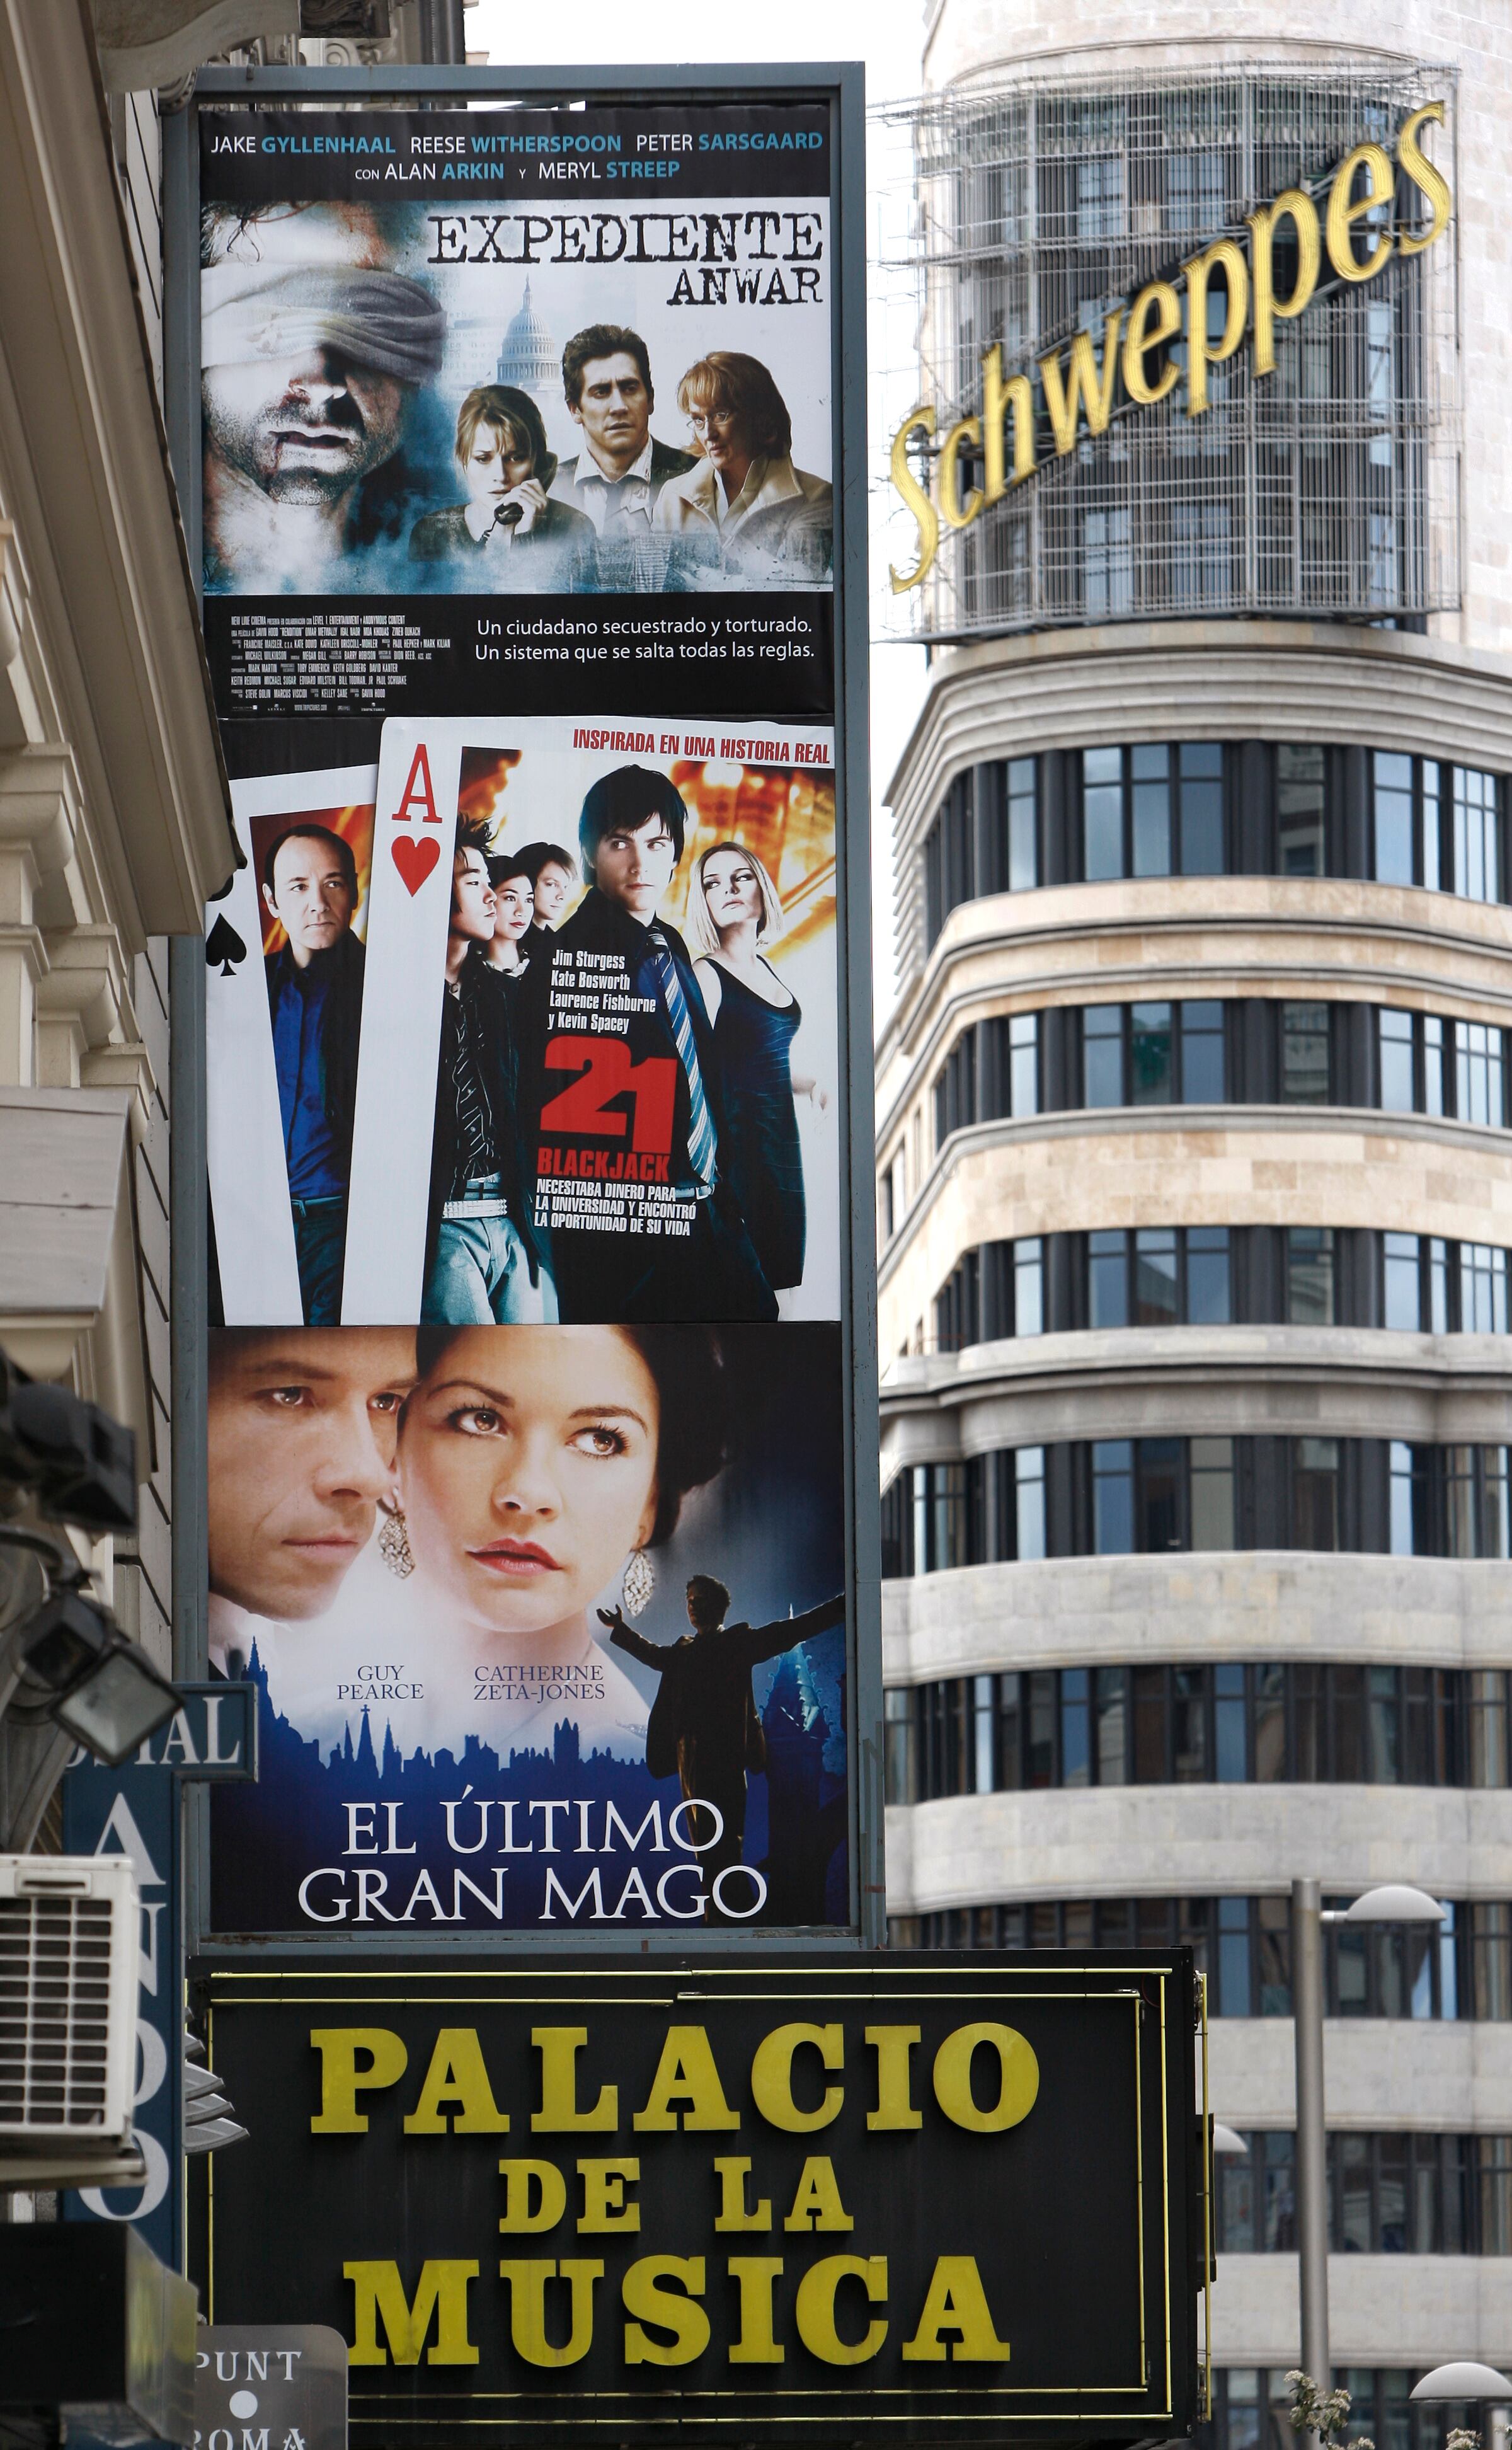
1392 1903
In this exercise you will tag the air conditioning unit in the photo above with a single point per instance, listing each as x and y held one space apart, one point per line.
70 1935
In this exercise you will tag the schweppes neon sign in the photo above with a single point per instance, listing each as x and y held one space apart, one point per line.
1078 386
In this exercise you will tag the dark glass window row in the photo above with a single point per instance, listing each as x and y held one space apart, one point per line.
1226 1723
1215 1276
1121 1497
1251 2410
1248 1051
1388 2195
1458 1970
1216 808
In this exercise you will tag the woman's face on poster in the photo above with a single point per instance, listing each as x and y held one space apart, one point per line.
514 908
731 890
527 1470
721 436
499 459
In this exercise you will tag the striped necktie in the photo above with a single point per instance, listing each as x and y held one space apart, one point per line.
700 1121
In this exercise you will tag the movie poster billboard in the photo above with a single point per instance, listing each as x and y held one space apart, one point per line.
530 1022
547 1624
499 412
539 1022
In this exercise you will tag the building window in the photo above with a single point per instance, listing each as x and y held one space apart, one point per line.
1022 814
1152 810
1315 1493
1304 1068
1309 1256
1139 1495
956 1089
1416 1283
1391 2193
1477 849
1158 1276
1397 857
1482 1273
1300 810
1480 1095
1412 1050
1153 1054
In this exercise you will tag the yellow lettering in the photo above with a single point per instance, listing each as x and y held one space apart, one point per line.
735 2212
917 500
771 2076
1346 208
997 400
527 2286
1153 317
815 2198
895 2045
756 2276
1200 353
341 2079
604 2205
1083 385
1300 213
456 2080
519 2176
1018 2079
559 2113
668 2310
1429 182
956 2301
686 2073
376 2290
816 2307
960 514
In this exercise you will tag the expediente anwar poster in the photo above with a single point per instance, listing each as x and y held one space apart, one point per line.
493 411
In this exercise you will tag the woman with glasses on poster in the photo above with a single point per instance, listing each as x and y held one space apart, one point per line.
746 507
733 919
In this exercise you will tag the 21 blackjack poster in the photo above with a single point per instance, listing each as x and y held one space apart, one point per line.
529 1023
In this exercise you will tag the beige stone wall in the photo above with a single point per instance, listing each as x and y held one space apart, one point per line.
1189 1165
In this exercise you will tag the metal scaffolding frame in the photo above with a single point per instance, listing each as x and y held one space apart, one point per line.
1037 205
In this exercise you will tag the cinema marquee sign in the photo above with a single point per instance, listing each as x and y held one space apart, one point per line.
1077 386
891 2198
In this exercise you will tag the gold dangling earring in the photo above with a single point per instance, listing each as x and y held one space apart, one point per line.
638 1583
393 1544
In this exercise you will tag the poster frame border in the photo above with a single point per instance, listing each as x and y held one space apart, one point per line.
841 86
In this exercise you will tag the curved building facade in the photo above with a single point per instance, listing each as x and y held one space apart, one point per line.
1195 1109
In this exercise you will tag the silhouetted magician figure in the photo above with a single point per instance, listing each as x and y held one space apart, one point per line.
702 1723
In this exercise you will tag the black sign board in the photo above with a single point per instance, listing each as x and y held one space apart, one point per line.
635 2197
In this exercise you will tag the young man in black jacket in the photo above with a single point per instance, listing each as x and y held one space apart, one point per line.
616 957
486 1263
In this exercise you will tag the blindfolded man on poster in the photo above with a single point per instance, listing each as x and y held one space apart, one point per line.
631 832
312 351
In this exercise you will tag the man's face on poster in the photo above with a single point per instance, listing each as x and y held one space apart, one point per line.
303 429
311 895
473 906
302 1430
552 886
633 867
614 409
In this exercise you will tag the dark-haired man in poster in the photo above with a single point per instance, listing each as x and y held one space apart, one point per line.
704 1723
315 997
485 1262
690 1257
619 473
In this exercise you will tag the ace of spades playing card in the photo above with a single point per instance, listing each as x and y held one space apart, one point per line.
273 1073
